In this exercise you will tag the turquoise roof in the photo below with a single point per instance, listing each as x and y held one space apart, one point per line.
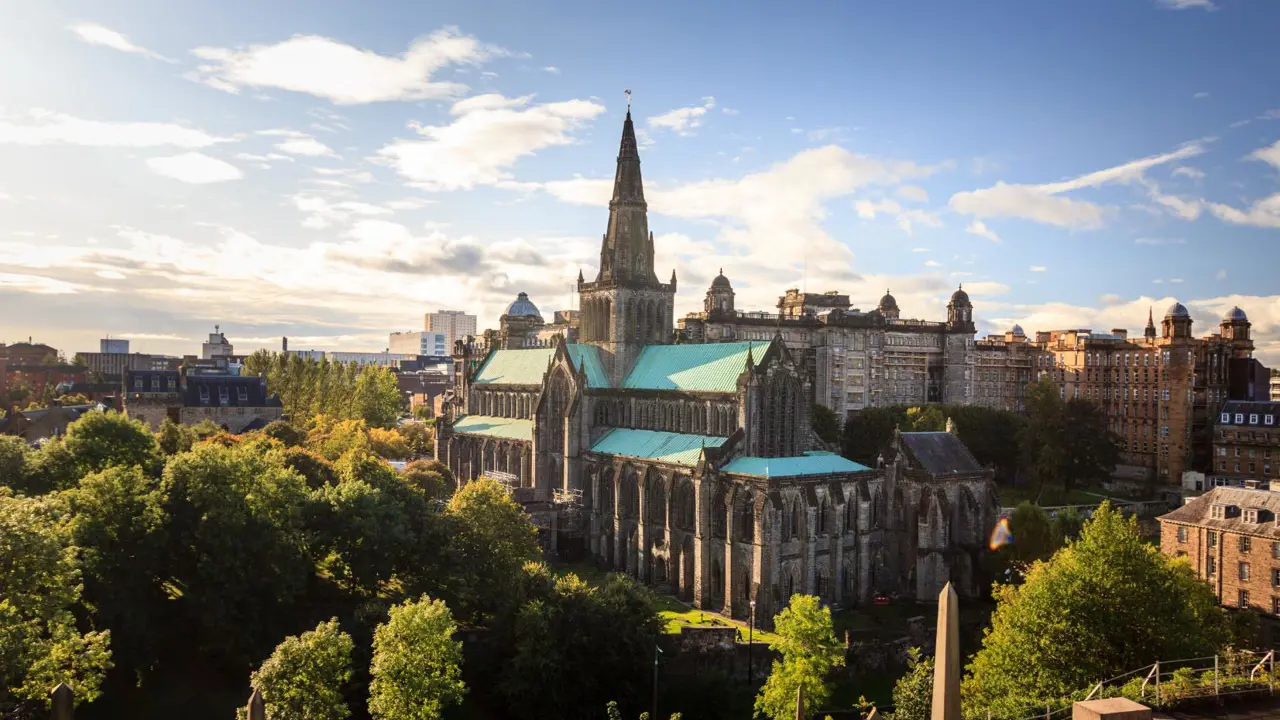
668 447
710 367
588 356
526 366
812 463
496 427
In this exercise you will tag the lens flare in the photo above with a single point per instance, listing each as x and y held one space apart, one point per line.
1001 535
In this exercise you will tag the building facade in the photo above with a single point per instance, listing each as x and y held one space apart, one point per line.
233 402
1232 540
455 324
855 360
113 345
1246 443
114 365
692 466
419 343
217 346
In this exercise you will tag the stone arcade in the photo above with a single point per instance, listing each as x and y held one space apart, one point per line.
693 466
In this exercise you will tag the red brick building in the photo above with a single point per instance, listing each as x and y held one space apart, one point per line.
1231 538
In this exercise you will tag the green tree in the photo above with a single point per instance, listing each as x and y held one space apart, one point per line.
13 463
431 478
868 433
913 692
825 423
1068 524
417 665
40 645
925 419
578 646
101 440
1091 447
313 468
1102 606
810 651
305 676
119 524
236 556
1066 443
991 435
285 433
492 537
52 467
174 438
377 397
1035 537
1043 453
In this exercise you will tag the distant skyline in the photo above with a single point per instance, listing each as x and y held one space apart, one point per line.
330 172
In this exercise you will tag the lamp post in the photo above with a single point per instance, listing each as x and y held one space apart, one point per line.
656 652
751 630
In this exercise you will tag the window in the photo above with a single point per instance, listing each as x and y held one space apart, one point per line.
1226 418
1244 571
1222 452
1210 567
173 384
1275 550
1164 394
1239 418
137 382
1268 419
242 394
204 394
1182 534
1213 537
1244 599
223 398
1246 543
1275 606
1253 419
1275 577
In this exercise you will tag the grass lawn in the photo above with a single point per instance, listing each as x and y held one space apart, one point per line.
674 613
1014 495
887 620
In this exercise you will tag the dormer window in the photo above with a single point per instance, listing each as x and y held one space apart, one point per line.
223 396
1253 419
1268 419
173 384
204 394
137 383
1218 511
1251 515
242 394
1239 418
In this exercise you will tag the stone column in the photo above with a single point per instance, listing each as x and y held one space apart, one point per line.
759 561
810 538
835 546
642 530
673 569
701 539
619 556
730 537
946 669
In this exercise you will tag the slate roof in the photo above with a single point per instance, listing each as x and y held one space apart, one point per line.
1260 411
811 463
711 367
495 427
940 453
527 365
667 447
1197 511
255 389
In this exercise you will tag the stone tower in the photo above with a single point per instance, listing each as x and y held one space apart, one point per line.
1150 331
626 307
957 350
719 295
1235 328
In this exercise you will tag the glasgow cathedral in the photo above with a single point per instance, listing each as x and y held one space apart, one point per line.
692 466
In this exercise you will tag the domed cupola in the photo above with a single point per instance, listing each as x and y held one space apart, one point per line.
1235 328
1177 322
888 306
522 307
1235 314
960 312
719 296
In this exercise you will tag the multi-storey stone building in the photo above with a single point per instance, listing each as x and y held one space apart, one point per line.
692 465
1232 539
855 360
236 403
1246 443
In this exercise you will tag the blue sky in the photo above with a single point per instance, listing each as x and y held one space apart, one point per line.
330 172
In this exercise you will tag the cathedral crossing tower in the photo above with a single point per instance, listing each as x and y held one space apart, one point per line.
626 307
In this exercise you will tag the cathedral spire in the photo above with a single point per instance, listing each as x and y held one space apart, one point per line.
1150 332
627 185
626 254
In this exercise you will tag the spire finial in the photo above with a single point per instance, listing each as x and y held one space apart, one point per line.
721 271
628 102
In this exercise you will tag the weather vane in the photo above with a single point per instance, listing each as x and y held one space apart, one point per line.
628 99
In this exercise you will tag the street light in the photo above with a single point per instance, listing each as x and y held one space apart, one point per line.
751 629
656 652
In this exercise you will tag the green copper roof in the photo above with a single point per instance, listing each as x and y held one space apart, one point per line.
813 463
712 367
588 356
527 365
668 447
497 427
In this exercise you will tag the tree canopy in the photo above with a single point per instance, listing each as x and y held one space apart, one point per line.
305 676
345 391
810 651
1102 606
417 665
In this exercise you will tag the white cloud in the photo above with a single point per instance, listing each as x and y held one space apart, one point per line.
909 219
979 228
341 73
919 250
1187 4
551 69
320 213
1037 268
868 209
1188 171
683 121
195 168
729 111
932 263
913 193
1159 241
1269 154
1044 204
43 127
1175 281
106 37
1263 213
1200 96
36 284
484 141
307 146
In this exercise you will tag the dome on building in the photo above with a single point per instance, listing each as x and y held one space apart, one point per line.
1017 330
721 281
887 302
1235 314
960 297
522 307
1177 310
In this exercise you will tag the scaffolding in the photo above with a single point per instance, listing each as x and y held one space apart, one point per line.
508 480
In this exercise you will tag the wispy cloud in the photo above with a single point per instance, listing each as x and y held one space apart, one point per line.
106 37
683 121
44 127
1159 241
1187 4
195 168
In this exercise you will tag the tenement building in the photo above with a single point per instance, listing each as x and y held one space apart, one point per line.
233 402
1246 443
692 466
1232 540
854 359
